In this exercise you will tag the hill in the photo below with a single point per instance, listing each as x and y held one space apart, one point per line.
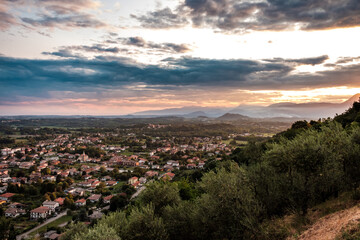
233 117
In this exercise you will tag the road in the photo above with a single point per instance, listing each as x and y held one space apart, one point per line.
26 234
137 192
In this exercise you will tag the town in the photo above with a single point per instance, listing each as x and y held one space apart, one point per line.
81 176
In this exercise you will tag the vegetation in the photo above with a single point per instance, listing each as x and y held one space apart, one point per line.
238 198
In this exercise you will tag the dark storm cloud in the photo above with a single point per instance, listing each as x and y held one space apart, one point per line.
235 15
167 47
37 78
163 18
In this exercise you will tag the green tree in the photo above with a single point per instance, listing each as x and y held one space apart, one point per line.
228 206
143 224
74 229
160 194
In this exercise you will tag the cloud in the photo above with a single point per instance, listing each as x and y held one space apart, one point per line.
6 19
303 61
73 21
163 18
68 6
22 77
343 60
76 51
51 14
167 47
64 53
234 15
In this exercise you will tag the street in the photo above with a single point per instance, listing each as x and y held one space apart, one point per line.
26 234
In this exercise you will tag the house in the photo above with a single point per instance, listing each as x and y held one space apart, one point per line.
133 180
40 212
106 178
6 196
81 202
5 178
142 180
150 174
3 189
94 198
51 204
49 178
168 176
191 166
60 201
107 199
111 183
75 191
14 212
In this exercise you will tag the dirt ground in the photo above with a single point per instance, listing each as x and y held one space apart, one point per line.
328 227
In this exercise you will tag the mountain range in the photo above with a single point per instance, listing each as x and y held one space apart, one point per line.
312 110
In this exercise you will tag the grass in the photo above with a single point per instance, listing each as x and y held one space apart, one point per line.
127 153
21 141
351 232
291 226
117 188
55 223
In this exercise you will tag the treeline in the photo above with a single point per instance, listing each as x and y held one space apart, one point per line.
237 198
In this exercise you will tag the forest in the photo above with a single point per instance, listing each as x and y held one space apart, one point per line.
238 197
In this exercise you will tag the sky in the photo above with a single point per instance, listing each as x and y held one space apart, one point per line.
115 57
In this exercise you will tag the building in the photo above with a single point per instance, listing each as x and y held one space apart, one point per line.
133 180
51 204
14 212
6 196
83 157
60 201
40 212
107 199
80 202
94 198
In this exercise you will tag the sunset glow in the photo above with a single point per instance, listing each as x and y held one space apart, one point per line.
118 57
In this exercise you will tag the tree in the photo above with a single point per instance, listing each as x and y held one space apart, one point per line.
118 202
74 229
46 171
100 231
228 206
160 194
143 224
4 228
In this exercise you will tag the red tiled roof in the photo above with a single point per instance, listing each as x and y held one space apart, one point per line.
7 195
41 210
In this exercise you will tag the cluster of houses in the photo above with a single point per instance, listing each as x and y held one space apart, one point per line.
45 162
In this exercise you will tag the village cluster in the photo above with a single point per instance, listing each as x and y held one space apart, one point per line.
71 172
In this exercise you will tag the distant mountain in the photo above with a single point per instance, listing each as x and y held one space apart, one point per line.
283 111
296 110
193 111
195 114
233 117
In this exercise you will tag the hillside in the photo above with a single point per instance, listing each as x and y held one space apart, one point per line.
331 226
292 185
